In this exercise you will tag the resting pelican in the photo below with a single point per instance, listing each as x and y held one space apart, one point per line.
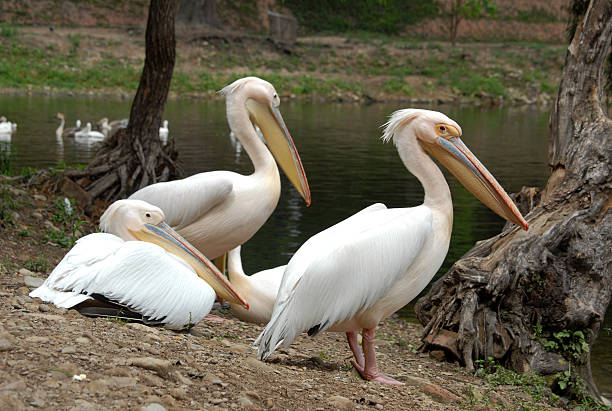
88 133
69 132
361 270
261 289
141 264
219 210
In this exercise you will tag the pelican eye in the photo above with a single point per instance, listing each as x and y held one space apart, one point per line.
442 128
148 215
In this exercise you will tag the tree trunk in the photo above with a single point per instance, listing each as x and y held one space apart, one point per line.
509 295
455 19
134 156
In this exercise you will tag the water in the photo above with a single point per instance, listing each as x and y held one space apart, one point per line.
347 165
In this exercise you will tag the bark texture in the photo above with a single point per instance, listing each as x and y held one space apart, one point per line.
134 157
510 294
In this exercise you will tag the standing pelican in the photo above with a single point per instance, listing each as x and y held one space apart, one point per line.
354 274
163 132
141 264
219 210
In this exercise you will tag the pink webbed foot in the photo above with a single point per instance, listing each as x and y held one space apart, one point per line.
369 369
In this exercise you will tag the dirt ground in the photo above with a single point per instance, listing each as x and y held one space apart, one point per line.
53 358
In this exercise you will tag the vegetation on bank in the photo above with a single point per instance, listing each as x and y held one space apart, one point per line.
357 66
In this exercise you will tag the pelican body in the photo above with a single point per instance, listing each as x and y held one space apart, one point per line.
219 210
87 133
258 289
354 274
139 263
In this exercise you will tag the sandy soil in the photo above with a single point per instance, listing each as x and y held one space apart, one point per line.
53 358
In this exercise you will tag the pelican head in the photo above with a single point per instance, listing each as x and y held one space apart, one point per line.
262 102
439 136
136 220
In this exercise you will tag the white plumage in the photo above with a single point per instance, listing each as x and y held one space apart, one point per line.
140 275
363 269
219 210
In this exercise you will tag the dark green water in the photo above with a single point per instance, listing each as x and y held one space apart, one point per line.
347 165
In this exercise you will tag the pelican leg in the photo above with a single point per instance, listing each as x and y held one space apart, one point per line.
370 370
359 361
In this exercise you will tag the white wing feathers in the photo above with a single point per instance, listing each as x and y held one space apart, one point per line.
139 275
197 195
343 270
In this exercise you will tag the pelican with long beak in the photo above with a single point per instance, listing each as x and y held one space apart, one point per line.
139 267
219 210
354 274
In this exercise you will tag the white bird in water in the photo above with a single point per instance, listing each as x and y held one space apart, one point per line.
68 132
6 127
219 210
163 132
88 133
354 274
139 265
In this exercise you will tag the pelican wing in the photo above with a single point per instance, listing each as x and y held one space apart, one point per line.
196 195
139 275
345 269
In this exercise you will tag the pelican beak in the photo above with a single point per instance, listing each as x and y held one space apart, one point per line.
269 120
460 161
164 236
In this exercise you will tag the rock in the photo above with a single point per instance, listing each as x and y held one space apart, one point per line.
44 308
37 215
437 355
244 402
254 363
15 191
217 401
141 327
440 394
68 368
40 197
338 401
24 272
97 387
39 339
68 350
6 345
161 367
9 401
48 224
85 405
17 386
179 393
153 407
82 340
379 406
33 282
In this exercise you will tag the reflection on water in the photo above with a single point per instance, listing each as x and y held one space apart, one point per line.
347 165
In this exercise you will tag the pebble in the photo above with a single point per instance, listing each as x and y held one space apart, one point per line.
6 345
50 225
179 393
37 339
82 340
44 308
69 350
40 197
244 402
161 367
33 282
338 401
153 407
24 272
37 215
217 401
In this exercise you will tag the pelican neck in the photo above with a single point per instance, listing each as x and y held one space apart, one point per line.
437 192
240 124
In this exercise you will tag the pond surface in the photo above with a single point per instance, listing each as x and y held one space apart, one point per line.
347 165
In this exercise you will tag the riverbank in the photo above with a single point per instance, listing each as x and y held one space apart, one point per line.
213 366
356 67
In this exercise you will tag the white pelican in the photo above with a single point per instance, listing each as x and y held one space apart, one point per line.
261 289
141 264
354 274
69 132
88 133
219 210
163 132
109 129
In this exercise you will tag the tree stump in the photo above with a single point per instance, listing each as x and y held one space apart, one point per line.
513 296
134 157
